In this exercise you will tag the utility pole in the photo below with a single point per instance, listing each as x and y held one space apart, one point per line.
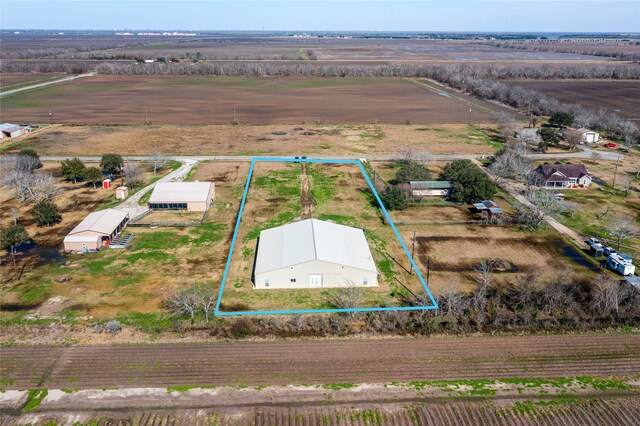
469 121
615 173
146 115
234 115
50 117
413 249
428 268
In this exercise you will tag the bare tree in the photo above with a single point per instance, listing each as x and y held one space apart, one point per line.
452 302
14 213
348 297
621 230
484 273
183 301
608 295
626 184
206 298
158 161
511 165
595 156
543 203
133 175
31 187
573 137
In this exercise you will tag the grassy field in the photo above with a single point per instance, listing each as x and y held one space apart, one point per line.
341 195
316 139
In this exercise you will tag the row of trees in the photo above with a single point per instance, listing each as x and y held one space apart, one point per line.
558 46
526 302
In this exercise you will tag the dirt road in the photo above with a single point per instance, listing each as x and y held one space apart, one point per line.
321 361
48 83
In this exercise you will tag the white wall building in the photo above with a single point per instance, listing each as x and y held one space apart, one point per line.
313 254
190 196
96 230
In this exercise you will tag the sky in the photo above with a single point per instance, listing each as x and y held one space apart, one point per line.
327 15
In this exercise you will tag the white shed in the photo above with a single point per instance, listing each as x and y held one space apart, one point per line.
313 253
589 136
190 196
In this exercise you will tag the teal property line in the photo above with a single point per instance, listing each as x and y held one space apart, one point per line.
254 160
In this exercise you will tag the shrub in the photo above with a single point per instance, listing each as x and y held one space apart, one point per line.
561 119
45 213
241 327
112 163
412 171
73 169
113 326
394 198
13 236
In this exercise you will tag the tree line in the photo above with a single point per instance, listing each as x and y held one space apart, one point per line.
612 52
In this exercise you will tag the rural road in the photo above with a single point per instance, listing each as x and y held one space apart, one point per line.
131 205
39 85
586 153
381 360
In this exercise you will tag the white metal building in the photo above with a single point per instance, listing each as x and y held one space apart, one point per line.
9 131
313 253
589 136
96 230
190 196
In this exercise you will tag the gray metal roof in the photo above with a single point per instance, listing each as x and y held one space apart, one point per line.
8 127
102 222
313 239
180 192
430 184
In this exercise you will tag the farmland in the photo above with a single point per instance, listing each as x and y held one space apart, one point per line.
620 96
109 99
284 140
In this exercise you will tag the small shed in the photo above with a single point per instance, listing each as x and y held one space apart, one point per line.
488 207
122 192
589 136
10 131
430 188
96 230
189 196
106 184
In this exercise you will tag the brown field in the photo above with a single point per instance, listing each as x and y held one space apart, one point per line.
334 361
366 139
115 99
620 96
593 412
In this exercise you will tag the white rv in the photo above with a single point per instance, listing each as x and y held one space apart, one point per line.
621 264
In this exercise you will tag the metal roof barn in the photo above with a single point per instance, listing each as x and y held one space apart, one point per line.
314 253
190 196
96 230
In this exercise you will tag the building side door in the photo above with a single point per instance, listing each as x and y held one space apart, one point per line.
315 280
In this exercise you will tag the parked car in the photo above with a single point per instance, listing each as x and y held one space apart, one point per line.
609 250
594 242
610 145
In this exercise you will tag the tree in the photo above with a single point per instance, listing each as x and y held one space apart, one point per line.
14 213
542 204
412 171
73 169
511 165
394 198
349 297
46 213
621 230
573 137
30 152
549 135
158 161
133 175
93 175
470 184
561 119
13 236
112 163
27 163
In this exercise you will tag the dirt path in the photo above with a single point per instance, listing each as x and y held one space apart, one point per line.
306 199
39 85
321 361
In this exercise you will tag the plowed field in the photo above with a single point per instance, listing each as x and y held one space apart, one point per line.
324 361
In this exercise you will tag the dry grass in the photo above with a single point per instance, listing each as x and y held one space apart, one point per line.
366 139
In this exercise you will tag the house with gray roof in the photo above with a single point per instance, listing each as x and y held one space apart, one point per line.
96 230
313 254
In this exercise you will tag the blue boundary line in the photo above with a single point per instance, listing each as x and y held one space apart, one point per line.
254 160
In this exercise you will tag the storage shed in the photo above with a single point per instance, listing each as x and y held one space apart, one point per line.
96 230
430 188
190 196
589 136
122 192
10 131
314 253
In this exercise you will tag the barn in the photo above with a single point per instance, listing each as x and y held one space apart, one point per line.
189 196
96 230
313 254
10 131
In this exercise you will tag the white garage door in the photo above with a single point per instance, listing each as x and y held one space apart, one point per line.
315 280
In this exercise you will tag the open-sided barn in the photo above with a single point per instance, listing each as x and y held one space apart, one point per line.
96 230
190 196
314 253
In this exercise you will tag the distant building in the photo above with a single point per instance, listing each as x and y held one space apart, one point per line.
190 196
96 230
589 136
430 188
10 131
313 254
562 175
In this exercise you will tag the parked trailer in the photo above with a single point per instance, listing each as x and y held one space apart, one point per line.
621 264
